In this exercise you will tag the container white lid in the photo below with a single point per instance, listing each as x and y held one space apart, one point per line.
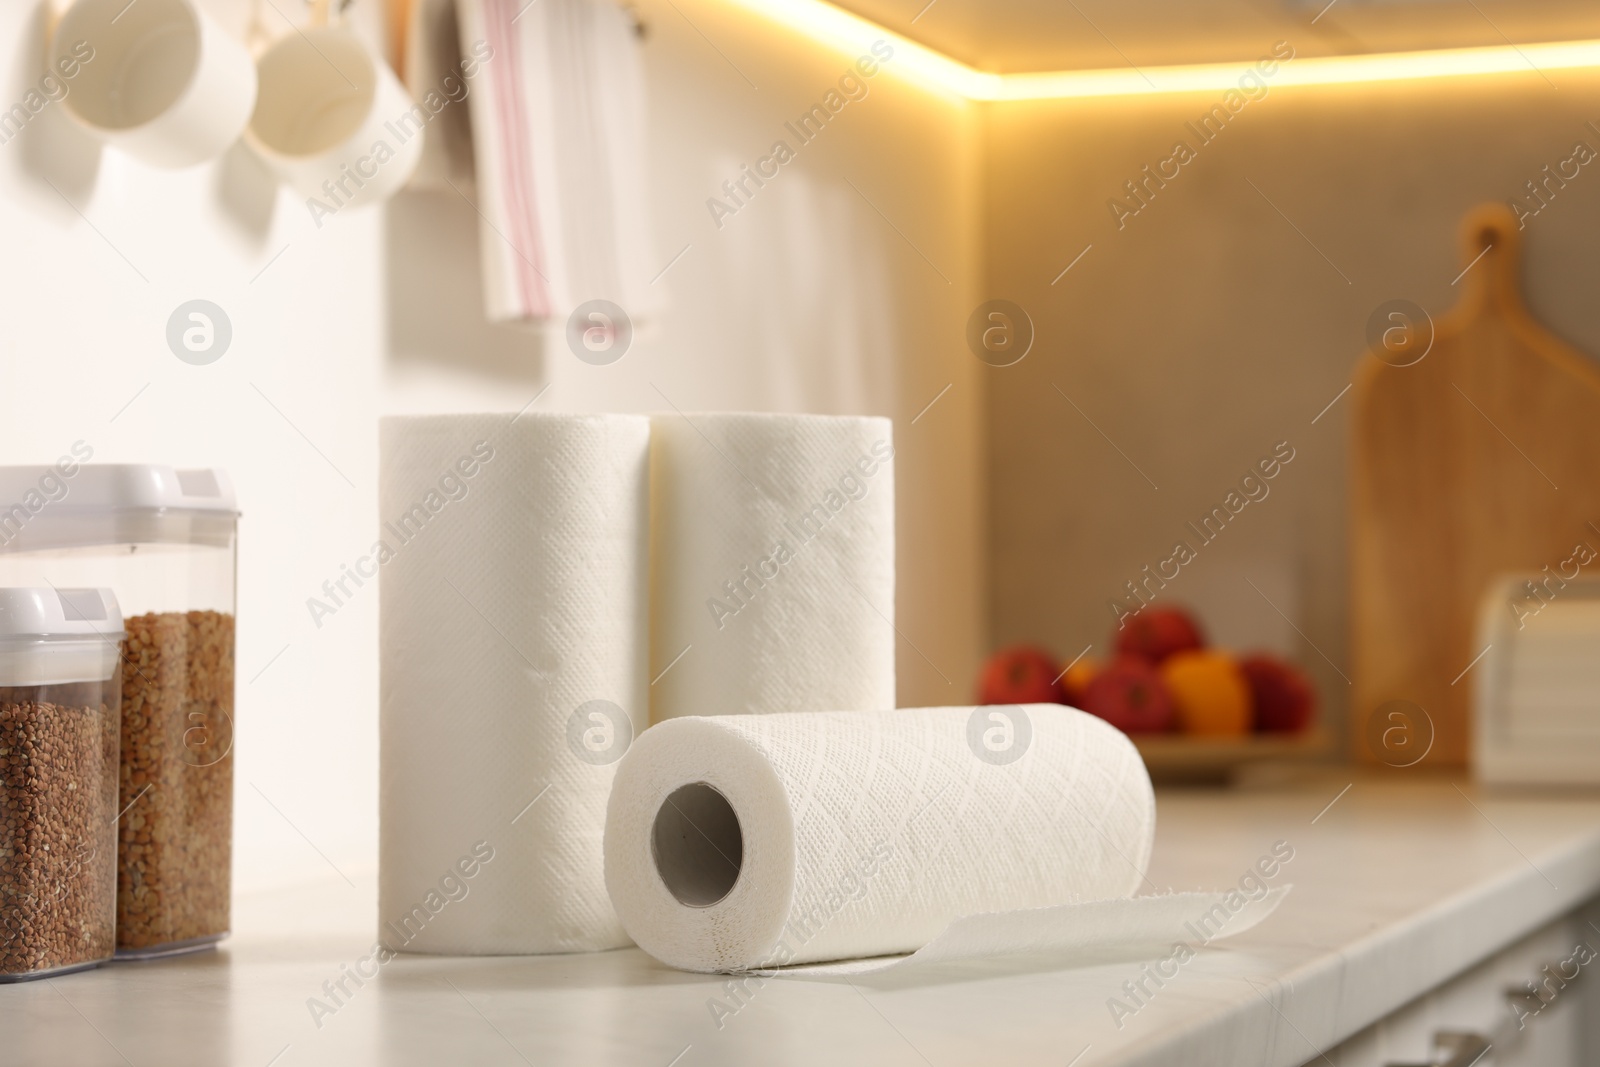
54 636
72 505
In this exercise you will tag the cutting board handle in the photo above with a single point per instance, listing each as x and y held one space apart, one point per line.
1491 252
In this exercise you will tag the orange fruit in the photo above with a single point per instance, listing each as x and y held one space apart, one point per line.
1076 681
1210 692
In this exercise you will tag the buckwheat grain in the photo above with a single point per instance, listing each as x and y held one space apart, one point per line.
175 846
57 802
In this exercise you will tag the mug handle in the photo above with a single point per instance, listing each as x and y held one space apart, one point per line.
259 36
328 12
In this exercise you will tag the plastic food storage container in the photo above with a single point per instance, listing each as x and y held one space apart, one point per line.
60 681
163 540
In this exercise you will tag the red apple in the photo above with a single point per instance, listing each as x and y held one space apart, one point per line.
1156 633
1284 699
1021 674
1131 696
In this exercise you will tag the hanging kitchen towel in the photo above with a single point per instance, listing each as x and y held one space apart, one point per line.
772 563
558 126
756 841
512 641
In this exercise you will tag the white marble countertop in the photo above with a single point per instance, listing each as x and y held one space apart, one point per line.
1401 883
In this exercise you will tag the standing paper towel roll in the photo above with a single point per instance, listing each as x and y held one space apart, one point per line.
513 655
772 562
749 841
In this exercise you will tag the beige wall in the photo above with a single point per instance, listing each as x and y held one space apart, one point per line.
1207 329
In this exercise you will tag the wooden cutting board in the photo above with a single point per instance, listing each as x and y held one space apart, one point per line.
1479 458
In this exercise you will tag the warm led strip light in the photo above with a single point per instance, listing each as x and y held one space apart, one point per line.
854 35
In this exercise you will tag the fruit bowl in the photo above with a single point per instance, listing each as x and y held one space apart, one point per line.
1174 759
1195 712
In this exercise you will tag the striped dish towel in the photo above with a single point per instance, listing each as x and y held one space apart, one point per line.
558 128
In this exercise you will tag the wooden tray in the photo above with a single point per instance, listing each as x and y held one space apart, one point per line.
1176 758
1480 458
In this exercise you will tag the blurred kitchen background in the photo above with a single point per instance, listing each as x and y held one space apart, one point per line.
1172 348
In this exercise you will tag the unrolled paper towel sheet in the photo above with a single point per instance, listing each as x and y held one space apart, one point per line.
513 655
749 842
772 563
1069 935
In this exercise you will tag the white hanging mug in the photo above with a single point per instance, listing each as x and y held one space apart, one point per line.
158 79
333 120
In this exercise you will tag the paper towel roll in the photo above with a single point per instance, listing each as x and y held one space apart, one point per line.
744 842
513 655
772 562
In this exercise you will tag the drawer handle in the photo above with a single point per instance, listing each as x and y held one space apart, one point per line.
1454 1048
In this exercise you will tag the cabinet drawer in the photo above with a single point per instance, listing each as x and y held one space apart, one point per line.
1553 1023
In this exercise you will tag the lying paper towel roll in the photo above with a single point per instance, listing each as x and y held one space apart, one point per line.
772 560
512 636
744 842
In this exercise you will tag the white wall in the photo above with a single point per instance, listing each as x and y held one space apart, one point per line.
806 300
